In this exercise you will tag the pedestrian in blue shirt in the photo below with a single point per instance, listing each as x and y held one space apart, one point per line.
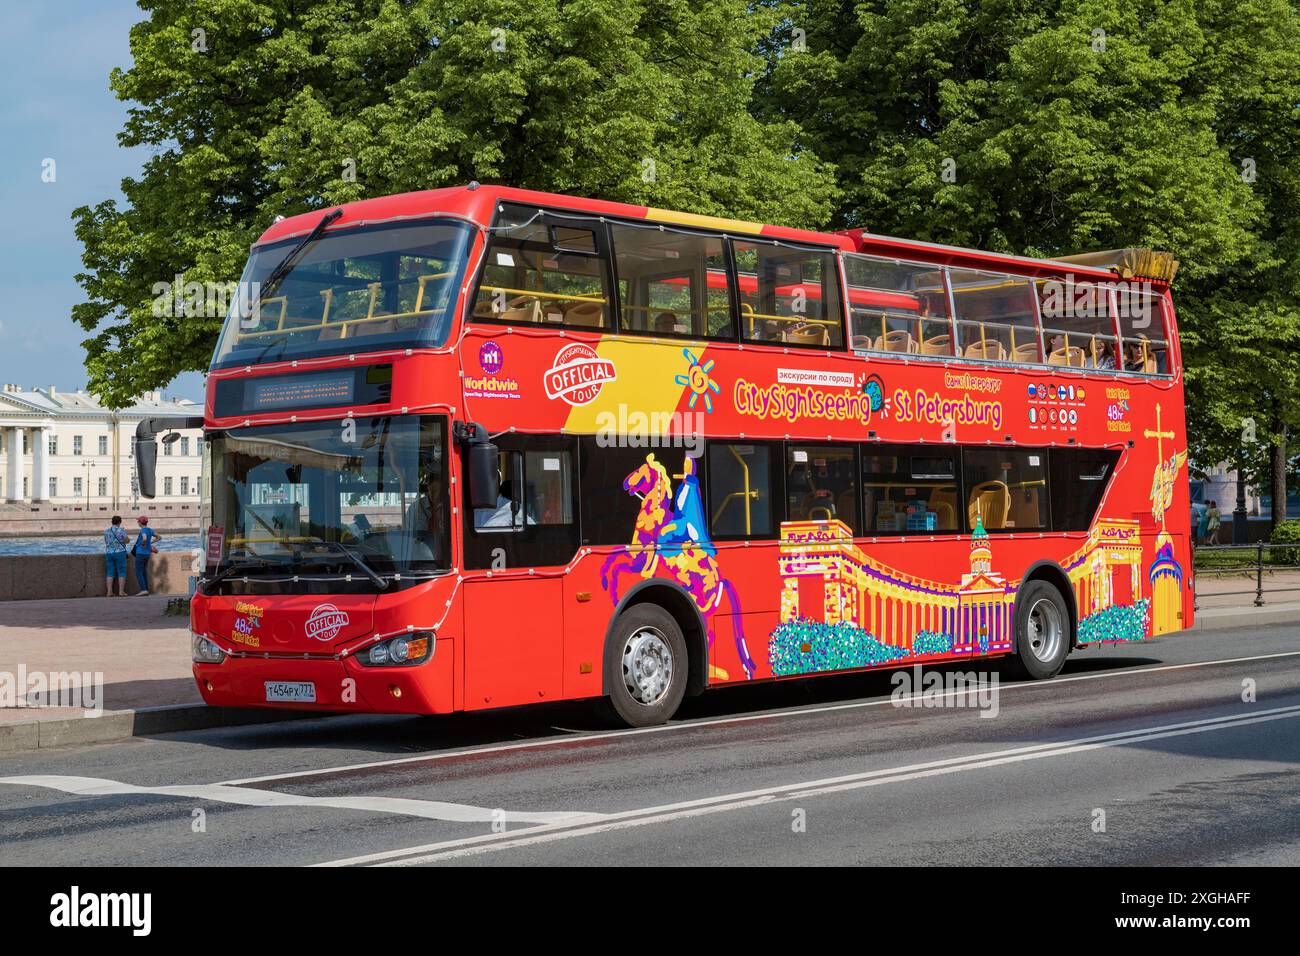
146 545
115 539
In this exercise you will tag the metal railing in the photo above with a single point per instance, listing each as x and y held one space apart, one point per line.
1229 560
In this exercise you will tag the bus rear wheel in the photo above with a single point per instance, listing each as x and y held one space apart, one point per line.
1042 631
645 667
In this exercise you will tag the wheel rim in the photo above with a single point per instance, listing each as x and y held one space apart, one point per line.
1045 630
647 666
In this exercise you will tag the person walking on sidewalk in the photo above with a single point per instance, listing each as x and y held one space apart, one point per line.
146 545
115 539
1212 521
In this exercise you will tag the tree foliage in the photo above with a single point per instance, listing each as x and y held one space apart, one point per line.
280 107
1041 128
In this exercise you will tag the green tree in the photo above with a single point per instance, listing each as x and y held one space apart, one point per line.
1047 128
280 107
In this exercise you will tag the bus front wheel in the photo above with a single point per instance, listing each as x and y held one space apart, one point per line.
1042 631
645 667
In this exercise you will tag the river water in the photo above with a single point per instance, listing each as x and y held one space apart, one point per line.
87 544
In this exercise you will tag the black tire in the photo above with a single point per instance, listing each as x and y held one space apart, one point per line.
648 636
1043 629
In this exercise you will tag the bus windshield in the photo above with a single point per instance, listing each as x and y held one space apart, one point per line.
371 287
361 497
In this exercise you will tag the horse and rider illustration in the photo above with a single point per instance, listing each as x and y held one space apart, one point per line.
671 534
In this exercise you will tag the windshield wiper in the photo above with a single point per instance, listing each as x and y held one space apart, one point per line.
236 567
379 581
288 262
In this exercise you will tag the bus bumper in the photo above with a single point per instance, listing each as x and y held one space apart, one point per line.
343 686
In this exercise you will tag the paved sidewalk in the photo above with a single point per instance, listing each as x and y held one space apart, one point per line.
142 654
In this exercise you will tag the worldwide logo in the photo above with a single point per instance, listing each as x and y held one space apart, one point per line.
490 358
326 622
578 374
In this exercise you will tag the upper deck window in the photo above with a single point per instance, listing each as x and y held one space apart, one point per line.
995 316
897 307
358 289
1143 330
901 307
788 295
672 282
545 269
1078 323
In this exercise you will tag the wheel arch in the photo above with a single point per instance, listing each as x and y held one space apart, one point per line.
672 598
1055 575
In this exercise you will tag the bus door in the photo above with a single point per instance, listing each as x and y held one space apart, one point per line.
514 619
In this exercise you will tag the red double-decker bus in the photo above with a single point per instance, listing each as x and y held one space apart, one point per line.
481 447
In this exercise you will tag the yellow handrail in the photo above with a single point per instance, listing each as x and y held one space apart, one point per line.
343 324
747 495
537 293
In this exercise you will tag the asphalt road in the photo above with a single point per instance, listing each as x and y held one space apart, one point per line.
1134 755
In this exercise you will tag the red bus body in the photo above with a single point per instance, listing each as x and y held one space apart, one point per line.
757 609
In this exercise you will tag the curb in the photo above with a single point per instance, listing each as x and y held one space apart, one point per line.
120 725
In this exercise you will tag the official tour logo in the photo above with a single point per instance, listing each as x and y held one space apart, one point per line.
578 374
326 622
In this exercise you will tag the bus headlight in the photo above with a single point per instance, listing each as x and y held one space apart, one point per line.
203 651
413 648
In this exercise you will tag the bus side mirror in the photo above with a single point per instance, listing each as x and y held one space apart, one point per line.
484 478
482 465
146 447
146 465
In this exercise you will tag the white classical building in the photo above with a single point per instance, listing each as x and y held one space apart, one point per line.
65 448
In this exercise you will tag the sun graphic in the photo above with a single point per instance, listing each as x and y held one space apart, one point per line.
698 381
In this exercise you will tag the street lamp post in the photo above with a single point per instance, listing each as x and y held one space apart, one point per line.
1239 525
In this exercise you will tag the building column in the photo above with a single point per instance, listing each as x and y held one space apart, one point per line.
41 465
14 474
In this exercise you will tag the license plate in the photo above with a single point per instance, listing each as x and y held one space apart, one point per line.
297 692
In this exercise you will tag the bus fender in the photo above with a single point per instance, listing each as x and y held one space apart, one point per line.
1053 573
674 599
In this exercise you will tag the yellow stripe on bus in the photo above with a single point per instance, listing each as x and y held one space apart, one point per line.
704 222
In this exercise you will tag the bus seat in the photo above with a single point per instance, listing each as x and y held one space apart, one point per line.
1071 356
937 345
1025 509
522 308
860 343
372 328
896 340
989 500
943 501
590 314
1027 352
989 349
807 335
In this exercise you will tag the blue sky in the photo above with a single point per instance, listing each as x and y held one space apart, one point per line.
54 66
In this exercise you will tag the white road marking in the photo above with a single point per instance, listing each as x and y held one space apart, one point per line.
470 846
221 793
570 738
